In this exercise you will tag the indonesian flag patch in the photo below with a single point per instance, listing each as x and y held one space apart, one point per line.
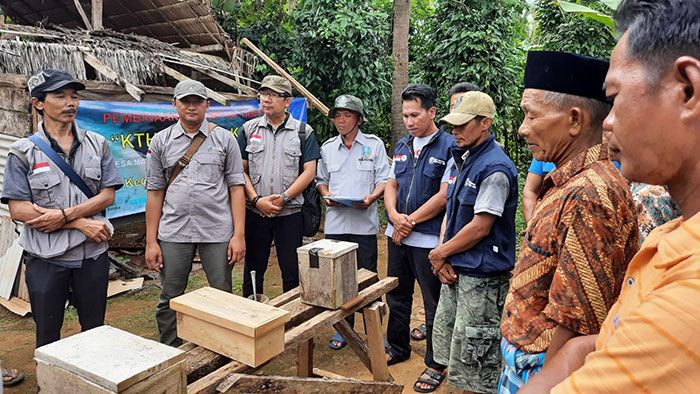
257 137
41 167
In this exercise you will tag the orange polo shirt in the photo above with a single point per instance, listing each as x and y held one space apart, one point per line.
650 340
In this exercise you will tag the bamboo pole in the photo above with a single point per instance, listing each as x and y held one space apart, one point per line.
315 102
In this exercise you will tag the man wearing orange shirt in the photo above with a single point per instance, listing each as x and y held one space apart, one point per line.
649 341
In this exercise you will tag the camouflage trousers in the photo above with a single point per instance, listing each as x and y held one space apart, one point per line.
467 331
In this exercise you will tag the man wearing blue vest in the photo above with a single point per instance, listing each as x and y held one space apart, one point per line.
477 251
415 203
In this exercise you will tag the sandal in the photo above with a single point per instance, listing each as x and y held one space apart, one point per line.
337 342
434 380
419 333
394 357
11 376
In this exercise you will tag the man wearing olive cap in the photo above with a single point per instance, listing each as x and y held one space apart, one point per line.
272 151
65 233
201 208
477 248
353 164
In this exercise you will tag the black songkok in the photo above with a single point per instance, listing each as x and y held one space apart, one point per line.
568 73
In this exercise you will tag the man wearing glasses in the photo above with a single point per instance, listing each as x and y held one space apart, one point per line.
272 149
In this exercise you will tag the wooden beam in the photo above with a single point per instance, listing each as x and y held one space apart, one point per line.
330 375
83 15
200 361
375 341
181 77
206 48
103 69
324 320
354 341
228 81
97 14
315 102
238 383
305 359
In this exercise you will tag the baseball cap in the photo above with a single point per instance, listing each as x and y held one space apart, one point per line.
276 83
469 106
190 87
49 80
349 102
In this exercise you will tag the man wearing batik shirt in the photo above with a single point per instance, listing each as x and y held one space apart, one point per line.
583 230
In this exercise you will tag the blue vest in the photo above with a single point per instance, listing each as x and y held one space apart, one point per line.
419 179
495 253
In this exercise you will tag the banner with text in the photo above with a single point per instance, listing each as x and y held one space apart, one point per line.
129 127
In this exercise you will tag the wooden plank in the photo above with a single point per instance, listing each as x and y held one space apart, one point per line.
172 380
375 341
83 15
52 379
354 341
122 286
206 48
238 383
321 373
9 267
200 361
181 77
230 311
97 14
228 81
285 298
305 359
324 320
315 102
109 357
17 306
103 69
207 384
22 290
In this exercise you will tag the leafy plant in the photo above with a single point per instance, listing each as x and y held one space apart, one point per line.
596 15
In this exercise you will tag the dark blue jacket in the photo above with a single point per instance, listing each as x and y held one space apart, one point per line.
419 179
495 253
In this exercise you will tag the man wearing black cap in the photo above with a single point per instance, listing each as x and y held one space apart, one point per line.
200 207
65 235
583 230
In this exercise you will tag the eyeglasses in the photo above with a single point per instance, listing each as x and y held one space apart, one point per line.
271 94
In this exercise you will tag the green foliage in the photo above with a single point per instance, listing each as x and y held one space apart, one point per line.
344 47
572 32
479 42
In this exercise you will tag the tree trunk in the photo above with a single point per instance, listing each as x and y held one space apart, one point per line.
402 13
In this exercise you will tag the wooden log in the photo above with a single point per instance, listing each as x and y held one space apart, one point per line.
97 14
324 320
200 361
181 77
206 48
305 359
103 69
83 15
315 102
354 341
238 383
375 342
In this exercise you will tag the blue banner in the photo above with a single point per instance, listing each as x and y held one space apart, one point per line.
129 127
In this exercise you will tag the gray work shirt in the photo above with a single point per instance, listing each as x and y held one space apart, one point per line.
353 172
30 175
197 204
273 157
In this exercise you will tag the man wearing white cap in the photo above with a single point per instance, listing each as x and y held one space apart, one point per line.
195 201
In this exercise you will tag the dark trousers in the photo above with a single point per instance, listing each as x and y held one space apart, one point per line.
409 264
366 255
259 233
49 286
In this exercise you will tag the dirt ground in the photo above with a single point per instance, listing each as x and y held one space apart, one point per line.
135 313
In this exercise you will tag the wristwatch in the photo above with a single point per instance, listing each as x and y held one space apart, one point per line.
254 201
285 198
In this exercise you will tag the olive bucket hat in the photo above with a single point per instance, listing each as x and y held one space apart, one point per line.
349 102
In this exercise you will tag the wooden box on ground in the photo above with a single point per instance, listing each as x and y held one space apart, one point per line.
244 330
328 272
109 360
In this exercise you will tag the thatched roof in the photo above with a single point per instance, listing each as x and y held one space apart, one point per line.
185 23
135 59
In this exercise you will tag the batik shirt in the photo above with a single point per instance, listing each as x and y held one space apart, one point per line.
582 234
654 207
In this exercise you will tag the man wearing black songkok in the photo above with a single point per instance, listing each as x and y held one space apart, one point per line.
583 230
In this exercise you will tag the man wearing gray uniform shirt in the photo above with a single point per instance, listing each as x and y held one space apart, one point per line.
353 164
65 234
203 207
